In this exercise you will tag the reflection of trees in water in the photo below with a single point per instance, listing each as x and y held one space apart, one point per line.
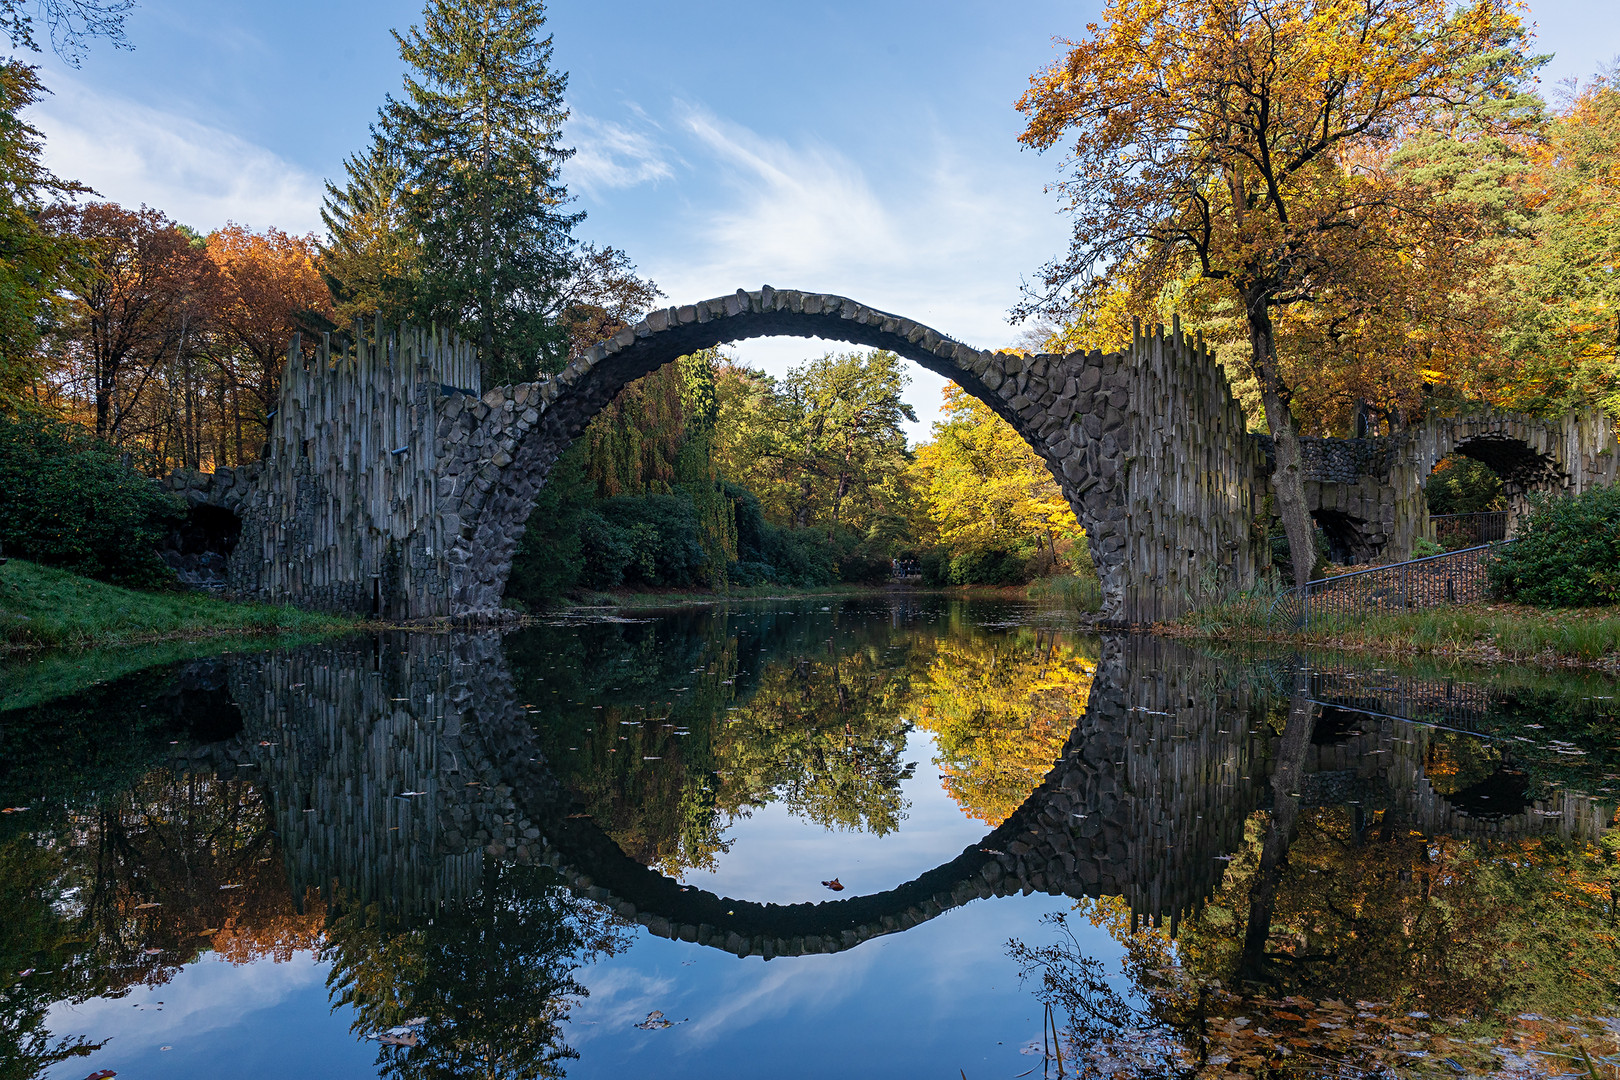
667 732
124 891
39 938
489 975
1001 709
1342 942
823 735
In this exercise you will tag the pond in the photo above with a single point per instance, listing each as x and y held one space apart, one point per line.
892 835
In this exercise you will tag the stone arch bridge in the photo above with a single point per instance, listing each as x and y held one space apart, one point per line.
393 484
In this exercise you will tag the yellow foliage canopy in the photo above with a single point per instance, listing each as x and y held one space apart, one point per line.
980 484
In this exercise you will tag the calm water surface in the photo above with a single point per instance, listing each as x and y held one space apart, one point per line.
892 836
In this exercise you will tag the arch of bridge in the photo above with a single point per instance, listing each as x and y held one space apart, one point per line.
1525 452
507 444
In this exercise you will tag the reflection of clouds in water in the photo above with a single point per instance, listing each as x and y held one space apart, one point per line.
616 992
778 857
719 993
947 984
201 998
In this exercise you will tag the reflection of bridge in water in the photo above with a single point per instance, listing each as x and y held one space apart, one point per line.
395 767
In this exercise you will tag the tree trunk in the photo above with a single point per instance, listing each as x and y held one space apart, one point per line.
1289 767
1288 478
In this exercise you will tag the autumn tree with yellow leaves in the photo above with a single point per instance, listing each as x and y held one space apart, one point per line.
1237 142
978 486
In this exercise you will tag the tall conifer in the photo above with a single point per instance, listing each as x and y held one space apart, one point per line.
478 132
370 258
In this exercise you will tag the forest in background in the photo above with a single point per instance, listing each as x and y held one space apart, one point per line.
1444 256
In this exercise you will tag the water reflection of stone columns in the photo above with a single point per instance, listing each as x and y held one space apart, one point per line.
1153 785
361 746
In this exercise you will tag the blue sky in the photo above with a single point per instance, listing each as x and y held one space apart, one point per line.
864 148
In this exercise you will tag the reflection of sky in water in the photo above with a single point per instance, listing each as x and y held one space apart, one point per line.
243 1021
931 1001
777 857
936 999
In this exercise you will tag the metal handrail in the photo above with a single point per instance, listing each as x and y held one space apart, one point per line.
1408 562
1400 589
1488 526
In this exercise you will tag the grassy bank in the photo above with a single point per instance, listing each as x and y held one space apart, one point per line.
1491 633
33 677
1078 594
654 599
43 608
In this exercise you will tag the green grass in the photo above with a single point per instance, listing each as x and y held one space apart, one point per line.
1480 632
679 598
38 676
1072 591
44 608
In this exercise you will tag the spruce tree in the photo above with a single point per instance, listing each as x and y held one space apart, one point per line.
478 136
370 259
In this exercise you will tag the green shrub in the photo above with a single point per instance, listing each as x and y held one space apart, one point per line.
989 566
68 500
550 559
802 557
864 568
1567 552
661 536
1423 548
748 575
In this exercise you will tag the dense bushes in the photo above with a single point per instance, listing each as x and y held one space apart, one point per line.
978 566
1567 552
576 540
68 500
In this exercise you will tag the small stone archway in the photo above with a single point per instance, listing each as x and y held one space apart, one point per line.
1528 454
1167 507
1367 494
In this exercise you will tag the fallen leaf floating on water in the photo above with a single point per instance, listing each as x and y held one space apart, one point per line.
148 904
835 885
405 1034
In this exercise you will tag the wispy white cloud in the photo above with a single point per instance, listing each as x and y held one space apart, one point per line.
200 999
611 156
794 209
928 232
197 174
